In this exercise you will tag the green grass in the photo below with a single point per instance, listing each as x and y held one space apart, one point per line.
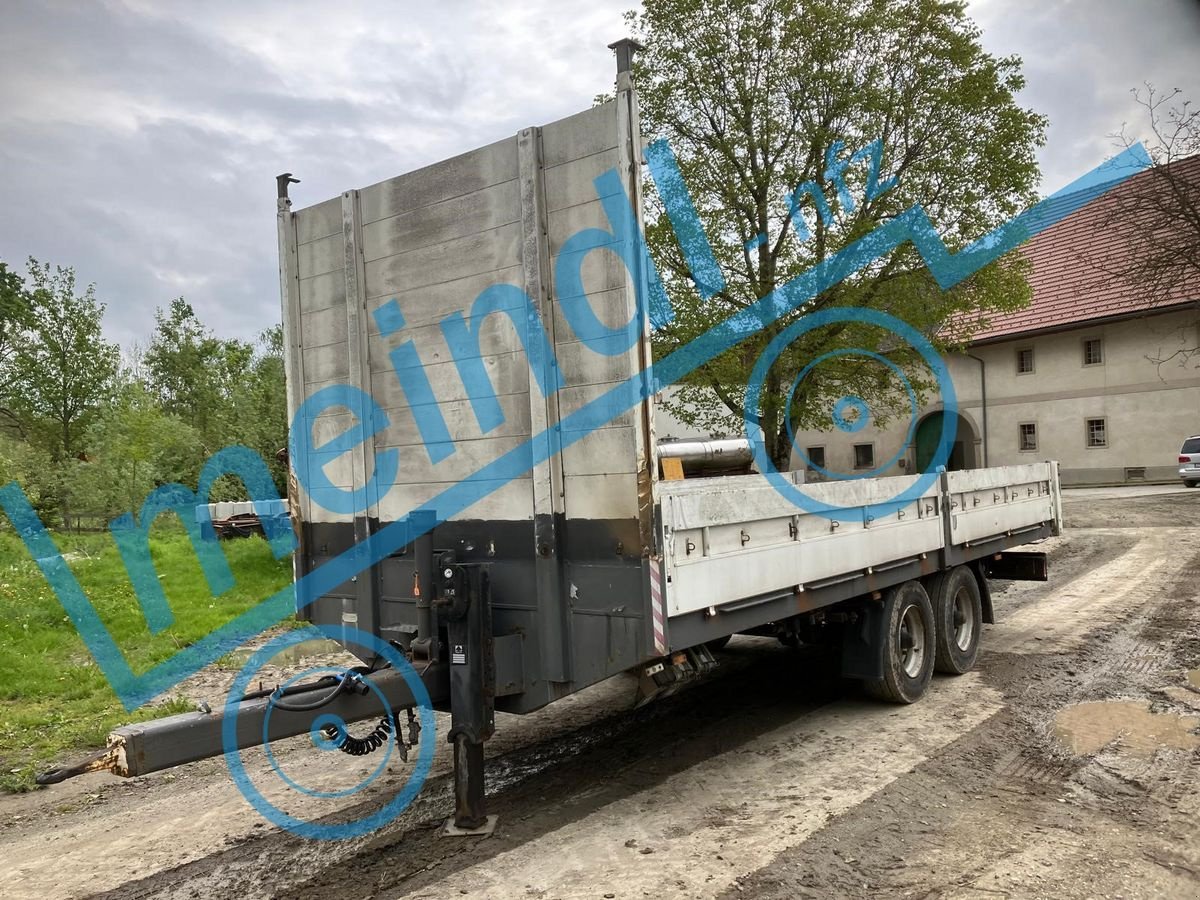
54 700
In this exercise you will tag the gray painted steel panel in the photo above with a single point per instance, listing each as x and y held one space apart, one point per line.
468 214
572 183
449 178
566 536
580 135
326 291
324 255
432 240
508 372
428 305
474 254
325 326
320 221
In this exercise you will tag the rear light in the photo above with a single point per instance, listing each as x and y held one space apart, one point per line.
1185 459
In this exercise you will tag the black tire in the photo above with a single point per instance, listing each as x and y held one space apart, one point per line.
908 645
1191 483
958 617
718 644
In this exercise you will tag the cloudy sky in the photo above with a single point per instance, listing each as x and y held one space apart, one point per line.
139 139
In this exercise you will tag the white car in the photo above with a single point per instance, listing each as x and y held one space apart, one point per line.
1189 461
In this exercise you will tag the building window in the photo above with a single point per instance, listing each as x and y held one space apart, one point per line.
1097 433
1028 440
864 456
1093 352
816 457
1025 361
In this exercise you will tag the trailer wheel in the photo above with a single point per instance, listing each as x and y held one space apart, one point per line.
908 645
958 613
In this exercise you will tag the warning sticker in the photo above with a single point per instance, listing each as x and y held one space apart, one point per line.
457 656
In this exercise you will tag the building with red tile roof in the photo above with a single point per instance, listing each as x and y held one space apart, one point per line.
1084 270
1100 371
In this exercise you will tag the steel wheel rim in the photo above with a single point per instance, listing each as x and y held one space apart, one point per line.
910 640
964 622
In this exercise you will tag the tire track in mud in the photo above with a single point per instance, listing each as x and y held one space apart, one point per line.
1007 810
540 805
1072 555
590 768
1150 561
557 797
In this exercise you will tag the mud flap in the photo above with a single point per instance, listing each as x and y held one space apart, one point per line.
863 642
985 592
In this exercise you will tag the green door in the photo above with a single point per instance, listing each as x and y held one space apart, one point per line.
929 432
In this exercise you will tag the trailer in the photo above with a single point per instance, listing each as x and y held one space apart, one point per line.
466 321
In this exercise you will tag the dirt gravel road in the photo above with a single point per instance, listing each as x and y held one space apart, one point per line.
1067 765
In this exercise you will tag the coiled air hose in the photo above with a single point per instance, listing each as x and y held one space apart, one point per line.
341 738
348 743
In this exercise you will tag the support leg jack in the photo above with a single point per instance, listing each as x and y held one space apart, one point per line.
463 595
469 817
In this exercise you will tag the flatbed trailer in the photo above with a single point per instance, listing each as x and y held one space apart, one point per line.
463 314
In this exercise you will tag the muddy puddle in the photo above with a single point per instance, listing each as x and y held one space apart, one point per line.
289 655
1090 727
1193 678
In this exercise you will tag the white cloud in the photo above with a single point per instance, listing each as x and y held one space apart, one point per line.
139 140
1081 60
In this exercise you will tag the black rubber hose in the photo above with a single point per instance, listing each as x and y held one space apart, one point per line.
343 739
322 682
310 705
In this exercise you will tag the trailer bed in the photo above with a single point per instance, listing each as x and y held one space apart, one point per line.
727 539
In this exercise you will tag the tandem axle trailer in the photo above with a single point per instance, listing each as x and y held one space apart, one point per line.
463 314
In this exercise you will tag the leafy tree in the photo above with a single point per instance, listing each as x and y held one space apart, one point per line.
257 416
14 321
64 365
193 373
751 95
133 446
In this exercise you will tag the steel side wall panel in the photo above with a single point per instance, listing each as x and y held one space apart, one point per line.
433 240
989 520
466 173
747 539
718 580
787 547
991 502
599 479
997 476
479 212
